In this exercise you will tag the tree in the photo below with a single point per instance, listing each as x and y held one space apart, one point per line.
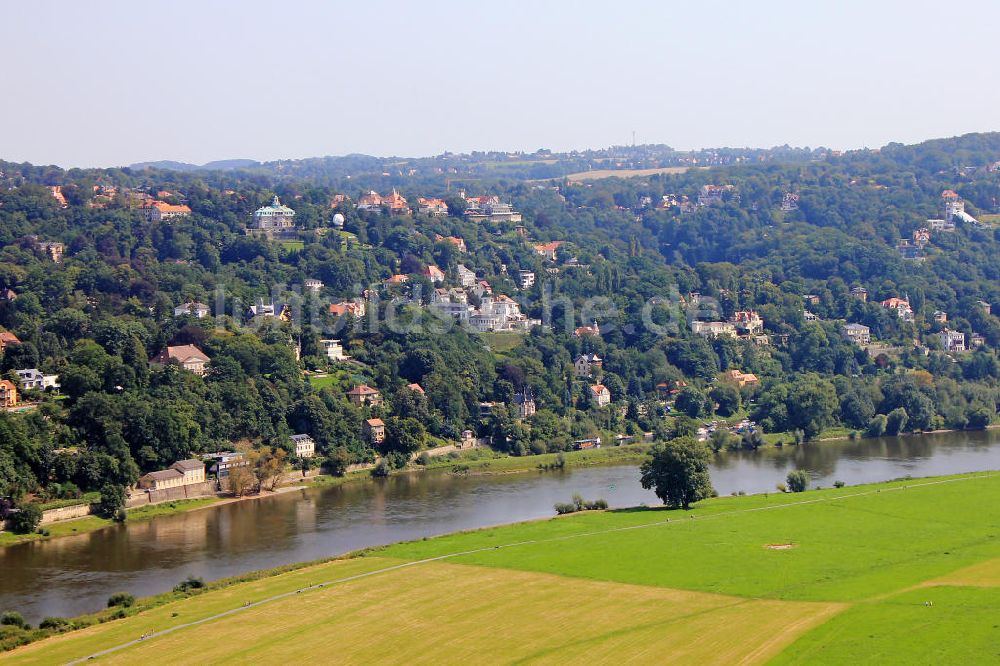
112 500
797 480
26 520
677 471
241 480
727 397
876 427
895 421
692 402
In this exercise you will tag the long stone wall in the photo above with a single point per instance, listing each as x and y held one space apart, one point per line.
66 513
144 497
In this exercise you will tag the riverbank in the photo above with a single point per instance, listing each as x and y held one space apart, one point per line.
87 524
787 545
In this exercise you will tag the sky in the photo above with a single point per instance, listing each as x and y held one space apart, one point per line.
112 82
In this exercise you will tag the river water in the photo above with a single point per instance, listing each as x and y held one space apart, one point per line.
72 575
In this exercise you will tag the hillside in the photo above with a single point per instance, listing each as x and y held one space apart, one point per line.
769 298
890 573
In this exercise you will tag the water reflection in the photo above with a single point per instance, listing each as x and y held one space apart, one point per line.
76 574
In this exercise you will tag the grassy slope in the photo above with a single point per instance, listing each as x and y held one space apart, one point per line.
862 556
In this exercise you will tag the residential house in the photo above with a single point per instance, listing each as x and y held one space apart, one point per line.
941 225
370 201
901 306
435 207
32 379
188 357
741 378
305 446
600 395
8 338
526 278
525 402
433 273
811 299
395 280
714 194
313 286
952 341
263 310
789 202
333 350
713 329
181 473
225 461
583 331
987 308
273 221
940 316
585 364
859 334
364 395
416 388
396 204
748 322
354 308
548 250
810 316
860 293
373 431
976 340
459 243
8 393
193 309
8 295
466 278
158 211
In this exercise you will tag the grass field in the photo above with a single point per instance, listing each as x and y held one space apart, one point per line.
902 572
622 173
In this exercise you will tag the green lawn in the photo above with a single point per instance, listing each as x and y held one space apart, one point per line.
848 549
899 572
959 626
292 245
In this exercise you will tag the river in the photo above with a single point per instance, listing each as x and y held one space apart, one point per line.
72 575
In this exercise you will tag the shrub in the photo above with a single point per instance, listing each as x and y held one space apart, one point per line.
782 488
54 623
564 507
188 584
423 458
381 469
797 481
13 619
838 484
26 520
123 599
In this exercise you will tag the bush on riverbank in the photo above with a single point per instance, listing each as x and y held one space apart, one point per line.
580 504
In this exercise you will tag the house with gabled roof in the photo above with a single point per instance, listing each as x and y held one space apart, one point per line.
188 357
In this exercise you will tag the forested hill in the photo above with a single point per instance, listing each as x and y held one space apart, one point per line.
718 293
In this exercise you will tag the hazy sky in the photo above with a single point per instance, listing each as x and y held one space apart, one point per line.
102 83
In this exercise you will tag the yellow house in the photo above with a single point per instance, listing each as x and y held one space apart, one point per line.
181 473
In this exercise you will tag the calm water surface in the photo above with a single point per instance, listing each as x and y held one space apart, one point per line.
73 575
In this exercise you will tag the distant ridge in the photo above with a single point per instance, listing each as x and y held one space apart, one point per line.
184 166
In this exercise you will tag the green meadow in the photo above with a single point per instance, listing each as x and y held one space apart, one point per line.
899 572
